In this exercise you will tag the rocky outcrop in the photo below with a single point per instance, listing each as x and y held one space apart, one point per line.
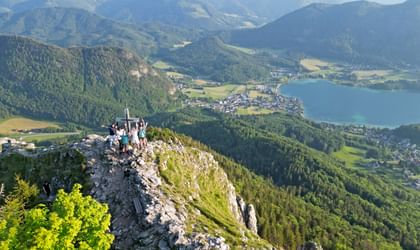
146 213
311 246
251 219
246 214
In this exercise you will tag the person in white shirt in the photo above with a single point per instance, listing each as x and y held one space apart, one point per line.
134 133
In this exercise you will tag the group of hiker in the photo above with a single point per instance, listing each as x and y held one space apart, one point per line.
123 136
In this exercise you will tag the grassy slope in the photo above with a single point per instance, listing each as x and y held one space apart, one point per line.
351 156
193 180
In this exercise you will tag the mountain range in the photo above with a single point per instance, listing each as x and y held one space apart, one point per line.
68 27
354 32
206 14
82 85
206 180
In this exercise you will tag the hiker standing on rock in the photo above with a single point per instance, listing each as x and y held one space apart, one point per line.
47 188
124 140
6 146
119 135
134 133
142 133
112 134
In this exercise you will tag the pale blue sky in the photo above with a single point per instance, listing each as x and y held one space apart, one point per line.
342 1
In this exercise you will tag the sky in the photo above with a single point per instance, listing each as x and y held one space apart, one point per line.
341 1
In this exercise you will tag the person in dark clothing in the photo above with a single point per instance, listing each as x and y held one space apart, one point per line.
126 173
47 188
7 146
112 134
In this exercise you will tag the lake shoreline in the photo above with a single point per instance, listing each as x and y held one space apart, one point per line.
334 103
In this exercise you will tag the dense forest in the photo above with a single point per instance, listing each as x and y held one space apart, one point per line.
88 86
364 201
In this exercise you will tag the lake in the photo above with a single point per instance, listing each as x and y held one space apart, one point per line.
329 102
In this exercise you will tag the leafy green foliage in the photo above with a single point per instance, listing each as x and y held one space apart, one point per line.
13 212
74 221
88 86
213 59
364 201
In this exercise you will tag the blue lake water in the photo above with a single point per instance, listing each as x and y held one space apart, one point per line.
329 102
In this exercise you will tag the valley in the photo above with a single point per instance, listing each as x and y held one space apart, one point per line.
286 125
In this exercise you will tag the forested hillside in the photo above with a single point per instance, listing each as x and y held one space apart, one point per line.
286 219
366 202
76 27
411 132
211 58
82 85
358 31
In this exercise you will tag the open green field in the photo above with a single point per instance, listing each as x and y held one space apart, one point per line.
254 94
351 156
314 64
368 74
162 65
242 49
254 111
217 93
172 74
12 125
200 82
10 128
43 136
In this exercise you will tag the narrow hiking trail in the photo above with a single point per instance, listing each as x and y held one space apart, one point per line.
143 216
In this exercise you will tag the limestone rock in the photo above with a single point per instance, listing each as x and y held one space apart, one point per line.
310 246
251 219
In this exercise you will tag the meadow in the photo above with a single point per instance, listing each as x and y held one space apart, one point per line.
13 125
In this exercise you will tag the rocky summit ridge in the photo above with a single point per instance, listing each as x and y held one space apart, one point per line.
169 196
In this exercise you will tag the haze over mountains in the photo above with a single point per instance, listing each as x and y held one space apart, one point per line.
207 14
357 31
77 27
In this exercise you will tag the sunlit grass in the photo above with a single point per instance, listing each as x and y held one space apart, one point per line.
351 156
217 93
254 111
12 125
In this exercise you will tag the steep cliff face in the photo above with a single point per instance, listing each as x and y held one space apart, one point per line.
169 196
